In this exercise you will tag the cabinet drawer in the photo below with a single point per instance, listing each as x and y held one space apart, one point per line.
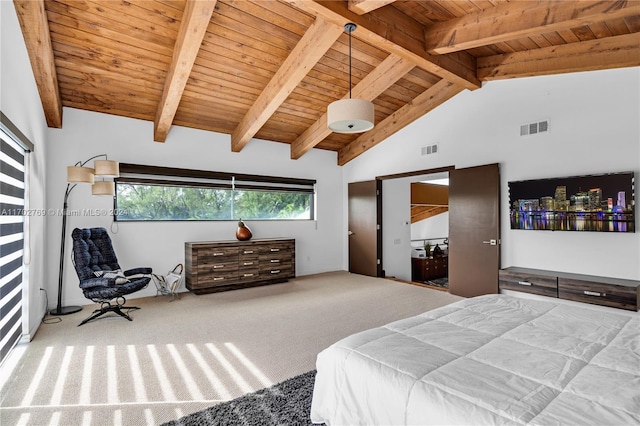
248 264
249 254
214 255
285 271
248 274
615 296
217 278
276 249
528 283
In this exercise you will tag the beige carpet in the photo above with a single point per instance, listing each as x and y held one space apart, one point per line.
179 357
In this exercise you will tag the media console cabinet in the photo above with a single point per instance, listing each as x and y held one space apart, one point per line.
213 266
612 292
428 268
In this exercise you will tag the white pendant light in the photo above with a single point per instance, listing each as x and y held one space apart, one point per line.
350 115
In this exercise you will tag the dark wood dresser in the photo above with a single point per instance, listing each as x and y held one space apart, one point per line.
429 268
226 265
612 292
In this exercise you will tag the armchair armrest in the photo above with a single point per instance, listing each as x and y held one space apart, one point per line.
97 282
134 271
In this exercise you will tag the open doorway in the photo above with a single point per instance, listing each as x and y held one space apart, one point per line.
430 230
402 231
473 249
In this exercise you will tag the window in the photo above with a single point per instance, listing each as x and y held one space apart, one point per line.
13 149
149 193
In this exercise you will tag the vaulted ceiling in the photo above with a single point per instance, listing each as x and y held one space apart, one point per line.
268 69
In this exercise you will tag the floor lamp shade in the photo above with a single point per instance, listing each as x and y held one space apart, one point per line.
77 174
103 187
106 168
350 115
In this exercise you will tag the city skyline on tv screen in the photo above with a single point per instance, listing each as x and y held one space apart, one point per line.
576 203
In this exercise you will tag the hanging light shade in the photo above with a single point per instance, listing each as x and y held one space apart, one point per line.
103 187
106 168
350 115
78 174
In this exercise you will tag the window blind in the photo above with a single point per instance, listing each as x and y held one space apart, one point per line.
12 231
14 146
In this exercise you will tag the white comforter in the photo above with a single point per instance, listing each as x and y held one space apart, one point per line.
487 360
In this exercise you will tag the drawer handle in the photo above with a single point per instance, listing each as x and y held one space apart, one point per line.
275 271
218 253
594 293
248 275
275 261
218 266
275 249
218 278
524 283
248 252
247 263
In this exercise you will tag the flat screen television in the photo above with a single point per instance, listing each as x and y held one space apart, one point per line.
600 203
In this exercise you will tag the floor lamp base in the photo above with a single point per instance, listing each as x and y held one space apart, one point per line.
65 310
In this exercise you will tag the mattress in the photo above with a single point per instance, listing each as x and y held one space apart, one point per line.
493 359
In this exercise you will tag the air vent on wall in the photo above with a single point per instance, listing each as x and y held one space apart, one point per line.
534 128
431 149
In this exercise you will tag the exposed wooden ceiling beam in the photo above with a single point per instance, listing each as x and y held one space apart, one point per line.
399 34
309 50
423 103
612 52
365 6
419 213
520 19
195 20
35 30
392 69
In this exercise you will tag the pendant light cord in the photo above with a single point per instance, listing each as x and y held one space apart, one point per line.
350 83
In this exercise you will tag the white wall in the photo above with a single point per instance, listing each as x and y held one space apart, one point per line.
594 128
161 245
434 228
20 102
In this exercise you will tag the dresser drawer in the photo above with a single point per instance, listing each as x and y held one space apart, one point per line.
248 253
216 278
215 255
248 274
528 282
605 294
282 271
244 264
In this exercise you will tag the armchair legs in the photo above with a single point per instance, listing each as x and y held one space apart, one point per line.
106 306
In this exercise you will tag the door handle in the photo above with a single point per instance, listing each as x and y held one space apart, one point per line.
351 233
491 242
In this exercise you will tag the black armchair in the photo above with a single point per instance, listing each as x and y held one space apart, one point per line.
101 278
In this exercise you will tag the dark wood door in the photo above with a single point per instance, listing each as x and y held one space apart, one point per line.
474 230
364 232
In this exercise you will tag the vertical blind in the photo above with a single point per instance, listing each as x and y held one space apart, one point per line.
12 230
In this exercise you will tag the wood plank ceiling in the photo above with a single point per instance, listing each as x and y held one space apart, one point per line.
268 69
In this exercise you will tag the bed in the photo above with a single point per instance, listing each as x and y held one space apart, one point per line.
495 359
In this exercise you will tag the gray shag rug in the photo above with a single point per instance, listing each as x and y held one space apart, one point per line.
286 403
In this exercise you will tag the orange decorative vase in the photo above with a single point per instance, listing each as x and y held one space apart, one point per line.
243 233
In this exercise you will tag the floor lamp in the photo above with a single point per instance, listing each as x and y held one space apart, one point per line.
78 173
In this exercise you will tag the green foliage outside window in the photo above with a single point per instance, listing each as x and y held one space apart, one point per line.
143 202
